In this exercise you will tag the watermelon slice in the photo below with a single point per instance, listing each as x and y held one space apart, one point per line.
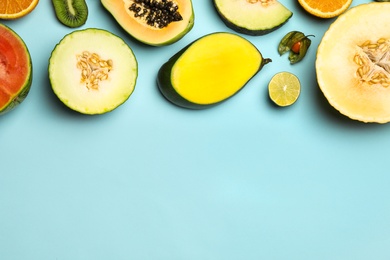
15 69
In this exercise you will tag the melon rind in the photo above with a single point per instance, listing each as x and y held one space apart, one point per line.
336 71
65 77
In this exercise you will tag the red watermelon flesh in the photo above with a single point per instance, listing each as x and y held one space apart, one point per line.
15 69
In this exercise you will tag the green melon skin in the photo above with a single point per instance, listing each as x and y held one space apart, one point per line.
21 95
252 19
66 76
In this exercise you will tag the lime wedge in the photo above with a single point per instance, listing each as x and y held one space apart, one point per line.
284 88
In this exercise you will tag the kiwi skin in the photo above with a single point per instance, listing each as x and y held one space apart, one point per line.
71 13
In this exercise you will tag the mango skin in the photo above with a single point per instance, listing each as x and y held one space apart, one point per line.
165 85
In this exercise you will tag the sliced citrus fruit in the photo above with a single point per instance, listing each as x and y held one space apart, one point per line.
325 8
13 9
284 88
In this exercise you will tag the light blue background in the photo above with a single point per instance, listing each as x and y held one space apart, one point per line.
243 180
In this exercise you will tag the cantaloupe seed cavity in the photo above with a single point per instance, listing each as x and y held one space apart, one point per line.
93 69
155 13
373 60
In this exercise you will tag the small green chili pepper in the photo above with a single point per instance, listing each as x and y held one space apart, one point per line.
296 43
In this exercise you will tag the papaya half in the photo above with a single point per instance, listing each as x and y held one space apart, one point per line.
153 22
15 69
209 70
353 63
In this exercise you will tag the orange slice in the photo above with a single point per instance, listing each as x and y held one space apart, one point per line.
13 9
325 8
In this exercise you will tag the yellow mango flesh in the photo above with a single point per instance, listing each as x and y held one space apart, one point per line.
215 68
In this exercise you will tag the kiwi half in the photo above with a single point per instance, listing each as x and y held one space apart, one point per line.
72 13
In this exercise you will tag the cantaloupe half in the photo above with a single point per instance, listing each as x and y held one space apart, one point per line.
353 63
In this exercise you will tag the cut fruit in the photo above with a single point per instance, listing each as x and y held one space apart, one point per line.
92 71
325 8
252 17
153 22
15 69
71 13
353 63
209 70
284 89
12 9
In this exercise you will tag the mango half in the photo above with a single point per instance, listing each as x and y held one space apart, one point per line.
209 70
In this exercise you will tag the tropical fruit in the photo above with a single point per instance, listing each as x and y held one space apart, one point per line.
71 13
15 69
12 9
325 8
353 63
209 70
92 71
153 22
252 17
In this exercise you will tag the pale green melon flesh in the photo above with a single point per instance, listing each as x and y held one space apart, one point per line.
253 17
65 75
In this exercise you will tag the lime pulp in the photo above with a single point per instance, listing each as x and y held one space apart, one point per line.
284 88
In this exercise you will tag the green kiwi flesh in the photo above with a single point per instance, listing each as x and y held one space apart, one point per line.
72 13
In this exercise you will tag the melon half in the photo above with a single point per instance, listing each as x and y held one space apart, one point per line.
92 71
353 63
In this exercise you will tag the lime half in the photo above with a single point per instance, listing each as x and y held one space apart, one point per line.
284 88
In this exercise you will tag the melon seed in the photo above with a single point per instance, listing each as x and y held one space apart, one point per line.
93 69
372 60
